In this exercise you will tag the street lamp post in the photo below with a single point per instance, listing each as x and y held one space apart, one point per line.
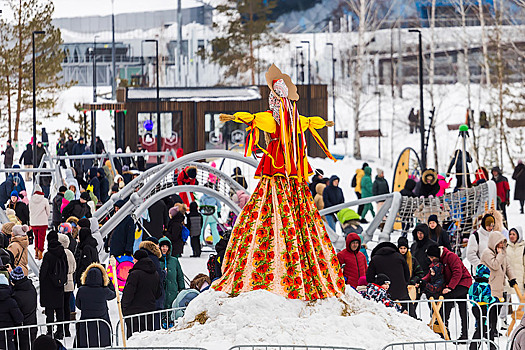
158 96
333 87
113 52
421 104
297 64
41 32
94 112
378 93
308 93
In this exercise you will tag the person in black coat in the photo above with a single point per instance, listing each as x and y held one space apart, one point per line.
174 231
140 293
457 161
422 242
437 233
158 219
332 195
78 208
52 271
104 185
385 258
123 236
408 190
93 181
428 186
61 151
40 151
99 146
86 253
57 203
380 185
519 189
318 176
239 178
8 155
10 314
151 246
21 209
27 156
24 293
141 162
70 145
6 188
91 299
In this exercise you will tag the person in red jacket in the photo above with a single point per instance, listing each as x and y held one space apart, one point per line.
187 177
503 190
352 260
457 282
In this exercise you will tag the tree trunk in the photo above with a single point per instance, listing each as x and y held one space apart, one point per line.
252 58
358 82
8 83
19 79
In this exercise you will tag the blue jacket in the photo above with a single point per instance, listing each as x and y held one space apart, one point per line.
480 292
211 201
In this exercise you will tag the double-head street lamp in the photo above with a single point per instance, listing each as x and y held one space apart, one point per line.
158 96
421 110
94 112
36 32
333 86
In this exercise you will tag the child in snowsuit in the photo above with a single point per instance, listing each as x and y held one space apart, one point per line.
378 291
480 295
435 286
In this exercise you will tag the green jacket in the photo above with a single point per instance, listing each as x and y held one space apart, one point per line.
366 183
174 276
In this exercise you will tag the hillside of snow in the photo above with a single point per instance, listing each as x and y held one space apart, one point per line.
216 321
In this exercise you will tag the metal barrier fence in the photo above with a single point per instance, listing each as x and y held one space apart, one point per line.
290 347
427 311
483 344
145 347
147 321
85 334
503 340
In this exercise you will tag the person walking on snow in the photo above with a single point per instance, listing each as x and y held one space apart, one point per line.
174 282
69 287
8 155
366 192
479 240
194 223
332 195
503 190
352 260
209 201
519 188
39 219
356 183
18 246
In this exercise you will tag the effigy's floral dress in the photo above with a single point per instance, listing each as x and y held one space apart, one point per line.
279 242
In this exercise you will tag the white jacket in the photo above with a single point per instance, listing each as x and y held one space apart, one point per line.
71 263
38 210
475 249
516 257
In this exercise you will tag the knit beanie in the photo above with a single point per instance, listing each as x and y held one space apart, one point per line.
434 218
487 220
402 242
140 254
20 230
65 228
434 251
14 193
152 239
173 211
7 228
191 172
361 281
17 274
84 223
52 236
85 196
69 195
381 279
62 189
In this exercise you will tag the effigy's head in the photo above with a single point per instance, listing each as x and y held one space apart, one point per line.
280 90
273 76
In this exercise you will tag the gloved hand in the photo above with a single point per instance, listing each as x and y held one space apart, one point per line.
512 282
219 214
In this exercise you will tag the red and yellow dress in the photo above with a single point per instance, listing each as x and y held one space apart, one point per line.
279 242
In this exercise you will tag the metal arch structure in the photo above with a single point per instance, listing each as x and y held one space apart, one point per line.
145 185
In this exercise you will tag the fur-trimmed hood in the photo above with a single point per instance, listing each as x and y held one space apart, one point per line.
151 247
429 172
93 277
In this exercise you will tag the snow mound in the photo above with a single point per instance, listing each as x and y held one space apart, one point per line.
215 320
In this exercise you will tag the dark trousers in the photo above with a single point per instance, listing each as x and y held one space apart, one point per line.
67 311
522 202
24 338
503 208
460 292
481 324
195 242
139 324
361 207
50 318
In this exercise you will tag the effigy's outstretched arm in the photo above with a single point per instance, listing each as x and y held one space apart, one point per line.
314 123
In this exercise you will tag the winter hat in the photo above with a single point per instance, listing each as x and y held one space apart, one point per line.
7 228
434 218
114 188
119 204
361 281
381 279
152 239
17 274
69 195
10 212
487 220
38 190
191 172
402 242
62 189
125 168
434 251
140 254
52 236
379 171
65 228
3 280
84 223
20 230
85 196
14 193
173 211
45 342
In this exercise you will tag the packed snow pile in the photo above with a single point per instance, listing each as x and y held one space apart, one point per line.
216 321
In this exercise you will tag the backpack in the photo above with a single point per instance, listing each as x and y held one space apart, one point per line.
59 274
212 266
354 181
185 233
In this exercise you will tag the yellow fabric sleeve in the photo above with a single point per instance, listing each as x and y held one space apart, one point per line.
312 122
261 120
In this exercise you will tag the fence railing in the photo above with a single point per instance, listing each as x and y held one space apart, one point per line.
290 347
84 334
147 321
482 344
